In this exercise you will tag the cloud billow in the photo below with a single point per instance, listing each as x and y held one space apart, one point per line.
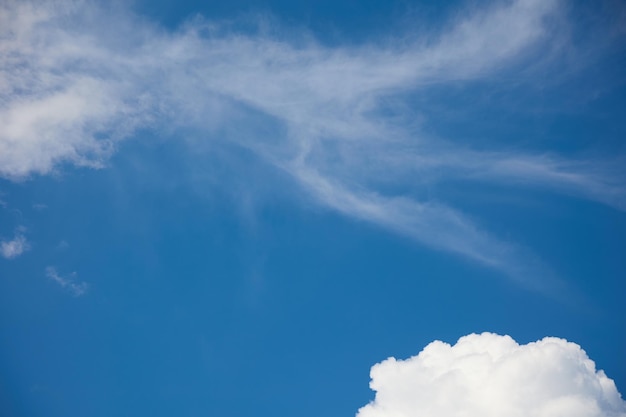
488 375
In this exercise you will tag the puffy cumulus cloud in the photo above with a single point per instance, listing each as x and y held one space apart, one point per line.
13 248
488 375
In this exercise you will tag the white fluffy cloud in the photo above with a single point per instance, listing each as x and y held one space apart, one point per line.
488 375
13 248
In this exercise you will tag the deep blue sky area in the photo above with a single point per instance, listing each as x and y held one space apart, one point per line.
329 21
219 281
280 313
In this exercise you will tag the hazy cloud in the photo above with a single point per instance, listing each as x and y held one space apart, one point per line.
488 375
75 80
68 282
13 248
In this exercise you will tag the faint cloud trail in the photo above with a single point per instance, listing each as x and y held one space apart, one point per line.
76 80
68 282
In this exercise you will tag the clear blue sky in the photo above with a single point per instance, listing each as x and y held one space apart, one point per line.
237 209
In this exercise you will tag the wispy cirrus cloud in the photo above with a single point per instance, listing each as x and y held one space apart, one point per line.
68 281
77 80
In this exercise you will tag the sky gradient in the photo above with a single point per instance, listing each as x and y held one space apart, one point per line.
211 209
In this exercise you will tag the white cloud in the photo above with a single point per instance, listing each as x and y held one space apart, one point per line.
488 375
10 249
438 226
65 96
67 282
75 80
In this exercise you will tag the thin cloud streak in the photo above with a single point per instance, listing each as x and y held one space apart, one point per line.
438 226
68 282
75 81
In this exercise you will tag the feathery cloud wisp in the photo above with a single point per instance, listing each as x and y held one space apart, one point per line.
75 80
69 283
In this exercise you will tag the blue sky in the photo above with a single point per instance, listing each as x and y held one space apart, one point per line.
211 209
